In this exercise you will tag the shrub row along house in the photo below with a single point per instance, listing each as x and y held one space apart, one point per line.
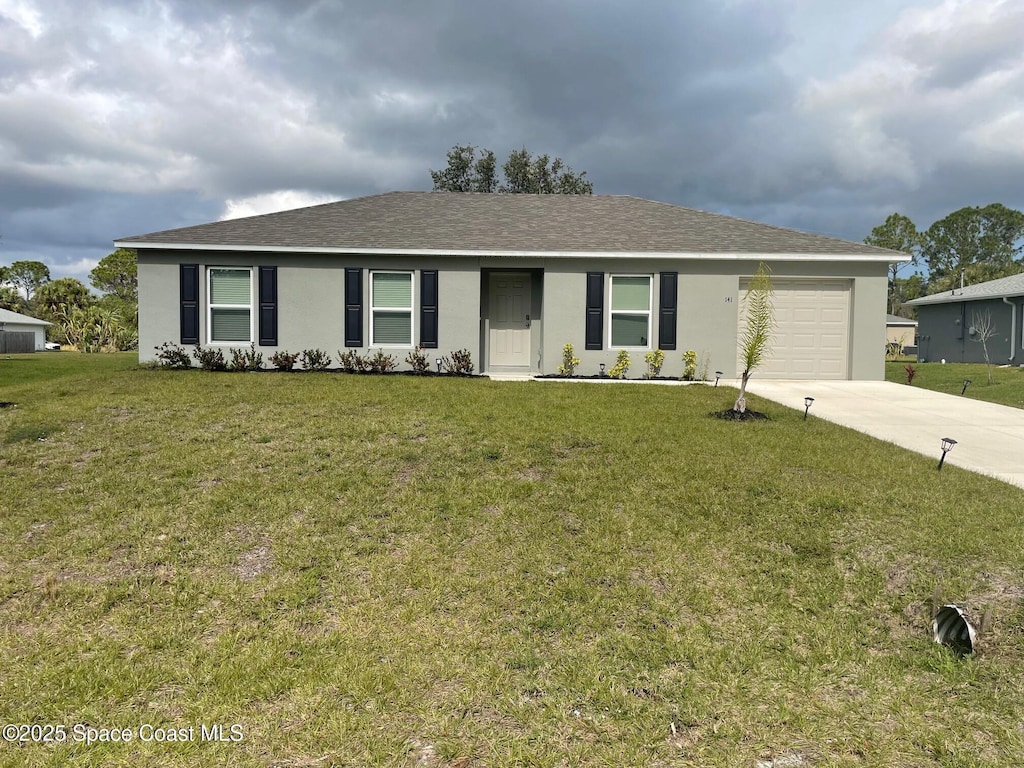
513 278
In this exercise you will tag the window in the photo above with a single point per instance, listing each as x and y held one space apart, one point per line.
631 311
230 305
391 309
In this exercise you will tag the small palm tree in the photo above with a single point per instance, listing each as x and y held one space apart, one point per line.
759 309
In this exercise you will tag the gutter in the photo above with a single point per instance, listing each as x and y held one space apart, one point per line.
1013 327
491 252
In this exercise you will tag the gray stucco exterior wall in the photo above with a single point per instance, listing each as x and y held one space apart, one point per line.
310 300
311 304
944 332
708 311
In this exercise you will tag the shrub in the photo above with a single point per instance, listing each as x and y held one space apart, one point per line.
172 356
911 372
381 363
621 367
654 361
418 361
315 360
460 363
690 365
210 359
569 361
246 359
97 329
353 362
284 361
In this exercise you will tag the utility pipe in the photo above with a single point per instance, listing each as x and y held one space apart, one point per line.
1013 327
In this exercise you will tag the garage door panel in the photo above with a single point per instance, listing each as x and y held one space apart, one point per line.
812 330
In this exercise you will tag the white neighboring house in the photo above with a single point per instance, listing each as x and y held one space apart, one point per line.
15 322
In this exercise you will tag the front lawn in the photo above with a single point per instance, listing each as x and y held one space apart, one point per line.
392 571
1007 387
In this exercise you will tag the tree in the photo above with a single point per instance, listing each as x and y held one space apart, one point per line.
974 244
466 172
56 300
542 176
12 300
118 274
28 276
897 233
984 329
759 309
523 174
906 289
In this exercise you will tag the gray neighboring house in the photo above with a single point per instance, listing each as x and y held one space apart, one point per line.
15 322
946 322
513 278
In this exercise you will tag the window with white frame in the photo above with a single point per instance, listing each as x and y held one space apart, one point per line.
630 322
391 309
230 305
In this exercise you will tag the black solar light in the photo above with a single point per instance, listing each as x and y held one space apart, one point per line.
438 363
967 383
947 446
807 406
718 375
602 369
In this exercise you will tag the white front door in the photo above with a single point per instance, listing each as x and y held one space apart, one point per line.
509 337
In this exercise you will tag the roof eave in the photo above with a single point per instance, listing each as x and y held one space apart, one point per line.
925 301
724 256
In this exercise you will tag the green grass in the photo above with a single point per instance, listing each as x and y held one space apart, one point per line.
1007 387
367 571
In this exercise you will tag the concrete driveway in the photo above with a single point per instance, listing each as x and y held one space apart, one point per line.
990 438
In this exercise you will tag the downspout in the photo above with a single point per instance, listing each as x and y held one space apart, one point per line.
1013 327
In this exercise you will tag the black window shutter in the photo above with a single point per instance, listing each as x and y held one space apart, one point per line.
353 307
595 310
428 309
189 294
268 306
667 310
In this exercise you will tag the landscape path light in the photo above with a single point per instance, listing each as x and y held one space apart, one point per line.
438 363
602 369
718 375
967 383
807 406
947 446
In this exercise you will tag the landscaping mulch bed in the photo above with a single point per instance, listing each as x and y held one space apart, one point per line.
733 415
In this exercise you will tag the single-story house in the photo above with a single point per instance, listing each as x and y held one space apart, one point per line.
15 322
948 322
900 330
513 278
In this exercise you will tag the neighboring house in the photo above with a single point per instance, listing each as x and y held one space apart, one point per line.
15 322
513 278
901 331
947 322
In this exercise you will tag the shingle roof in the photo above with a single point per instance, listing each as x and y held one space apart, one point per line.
993 289
7 316
453 222
897 320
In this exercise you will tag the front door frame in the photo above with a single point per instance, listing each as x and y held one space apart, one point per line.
535 277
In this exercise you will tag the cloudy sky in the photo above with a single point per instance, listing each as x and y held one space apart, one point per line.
121 118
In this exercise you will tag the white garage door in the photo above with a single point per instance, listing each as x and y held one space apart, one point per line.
812 330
